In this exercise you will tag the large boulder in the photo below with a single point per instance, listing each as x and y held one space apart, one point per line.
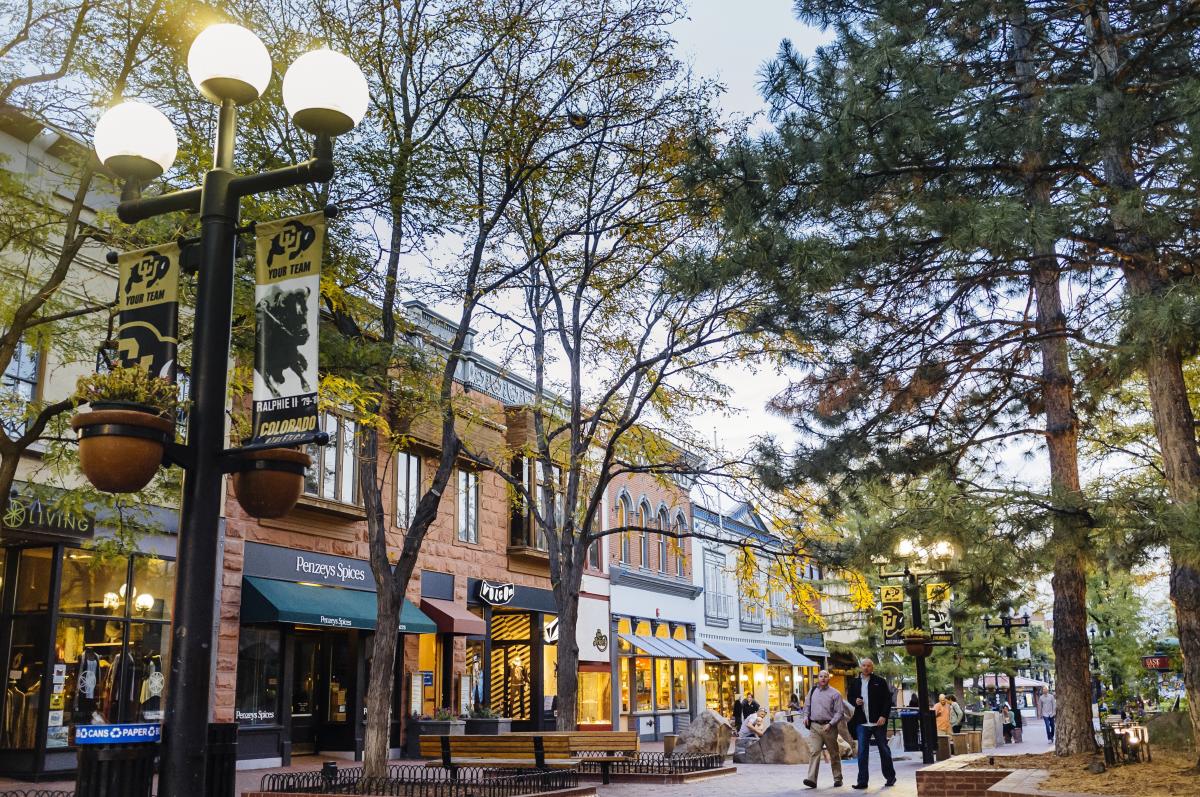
782 743
748 751
708 734
1171 730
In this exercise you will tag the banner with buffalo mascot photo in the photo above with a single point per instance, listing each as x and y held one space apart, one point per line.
148 309
286 295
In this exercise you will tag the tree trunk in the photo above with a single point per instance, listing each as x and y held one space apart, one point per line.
380 686
568 653
1174 421
1070 526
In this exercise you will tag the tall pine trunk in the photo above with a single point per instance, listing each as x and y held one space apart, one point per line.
1070 528
1174 421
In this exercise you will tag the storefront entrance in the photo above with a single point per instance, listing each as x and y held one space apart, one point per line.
323 684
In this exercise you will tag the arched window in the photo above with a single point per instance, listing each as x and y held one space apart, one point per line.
664 523
644 515
680 530
623 512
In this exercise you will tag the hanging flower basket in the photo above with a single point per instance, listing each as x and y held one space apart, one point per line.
918 644
120 450
269 483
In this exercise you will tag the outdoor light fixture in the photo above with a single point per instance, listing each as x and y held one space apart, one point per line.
136 141
325 93
228 62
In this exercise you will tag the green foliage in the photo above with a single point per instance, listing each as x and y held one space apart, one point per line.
132 384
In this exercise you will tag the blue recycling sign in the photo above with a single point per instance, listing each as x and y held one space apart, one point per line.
135 733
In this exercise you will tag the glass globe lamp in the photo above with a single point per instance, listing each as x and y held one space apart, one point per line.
325 93
228 62
136 141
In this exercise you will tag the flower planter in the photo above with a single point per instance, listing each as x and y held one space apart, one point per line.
120 450
269 483
918 646
440 727
489 726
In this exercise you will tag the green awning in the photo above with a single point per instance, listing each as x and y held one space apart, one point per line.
265 600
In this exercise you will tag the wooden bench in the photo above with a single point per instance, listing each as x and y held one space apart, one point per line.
601 747
509 750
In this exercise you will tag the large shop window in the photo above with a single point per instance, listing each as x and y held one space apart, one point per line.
643 683
595 697
511 687
19 387
110 644
468 506
258 673
334 476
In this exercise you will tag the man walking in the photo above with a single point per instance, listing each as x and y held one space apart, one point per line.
872 702
1049 708
822 716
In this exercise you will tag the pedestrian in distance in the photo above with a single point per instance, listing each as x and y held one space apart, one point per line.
794 703
957 715
871 698
941 714
739 711
1006 721
1049 708
751 706
823 713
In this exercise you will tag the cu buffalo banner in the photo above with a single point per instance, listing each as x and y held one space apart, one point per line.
286 293
148 308
941 626
891 601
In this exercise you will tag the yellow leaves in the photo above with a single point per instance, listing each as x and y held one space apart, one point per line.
339 393
862 597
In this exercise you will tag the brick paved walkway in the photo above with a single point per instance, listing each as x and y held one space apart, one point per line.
753 780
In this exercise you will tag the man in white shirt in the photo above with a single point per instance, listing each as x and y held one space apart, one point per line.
1049 707
754 725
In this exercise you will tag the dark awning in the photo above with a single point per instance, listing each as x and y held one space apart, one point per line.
266 600
452 618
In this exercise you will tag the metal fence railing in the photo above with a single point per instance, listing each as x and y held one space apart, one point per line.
419 781
34 792
652 764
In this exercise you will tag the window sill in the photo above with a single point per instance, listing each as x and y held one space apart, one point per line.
717 622
337 508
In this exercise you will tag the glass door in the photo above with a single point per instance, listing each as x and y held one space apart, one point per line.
306 692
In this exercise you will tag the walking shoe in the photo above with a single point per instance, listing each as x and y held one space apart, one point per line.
812 784
837 782
860 785
891 782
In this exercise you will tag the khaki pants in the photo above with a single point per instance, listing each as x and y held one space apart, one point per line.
827 736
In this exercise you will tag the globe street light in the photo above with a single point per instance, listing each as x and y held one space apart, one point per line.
327 97
1007 622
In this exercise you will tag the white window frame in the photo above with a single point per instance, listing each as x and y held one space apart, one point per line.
408 487
335 466
22 379
468 506
624 513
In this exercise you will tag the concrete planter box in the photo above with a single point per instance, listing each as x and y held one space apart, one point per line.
489 726
440 727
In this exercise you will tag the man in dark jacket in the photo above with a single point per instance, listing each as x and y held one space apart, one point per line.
739 711
872 701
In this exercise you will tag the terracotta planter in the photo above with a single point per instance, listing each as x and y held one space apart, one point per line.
269 483
120 450
918 647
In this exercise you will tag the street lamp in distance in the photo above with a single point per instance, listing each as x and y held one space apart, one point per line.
1008 622
326 95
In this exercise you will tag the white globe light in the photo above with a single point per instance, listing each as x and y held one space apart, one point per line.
325 92
905 548
136 141
228 62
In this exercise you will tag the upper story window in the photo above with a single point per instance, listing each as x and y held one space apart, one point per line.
644 515
623 514
408 487
680 530
664 523
19 388
468 506
334 474
550 491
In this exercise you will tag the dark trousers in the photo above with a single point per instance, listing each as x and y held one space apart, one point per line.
868 735
1049 727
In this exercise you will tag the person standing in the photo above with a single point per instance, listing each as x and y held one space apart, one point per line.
739 712
1006 722
872 706
957 715
941 714
823 716
1049 708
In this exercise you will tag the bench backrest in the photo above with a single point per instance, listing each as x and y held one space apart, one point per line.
505 745
595 741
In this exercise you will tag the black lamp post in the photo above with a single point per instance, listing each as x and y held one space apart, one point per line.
326 95
913 556
1007 622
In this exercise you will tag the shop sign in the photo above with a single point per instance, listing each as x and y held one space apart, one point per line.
496 594
592 630
118 734
254 717
26 513
550 632
891 599
1156 662
288 564
337 622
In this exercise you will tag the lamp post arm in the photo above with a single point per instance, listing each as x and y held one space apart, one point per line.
132 211
317 169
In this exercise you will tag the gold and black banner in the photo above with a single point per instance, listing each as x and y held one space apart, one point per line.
286 295
937 601
148 309
892 601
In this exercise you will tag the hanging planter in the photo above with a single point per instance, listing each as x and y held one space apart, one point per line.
918 643
123 438
268 483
